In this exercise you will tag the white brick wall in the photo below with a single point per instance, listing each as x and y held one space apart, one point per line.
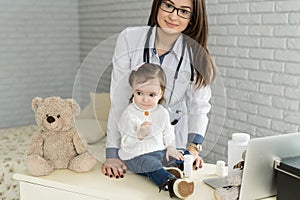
39 54
100 22
256 48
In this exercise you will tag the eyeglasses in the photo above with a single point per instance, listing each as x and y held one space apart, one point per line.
169 8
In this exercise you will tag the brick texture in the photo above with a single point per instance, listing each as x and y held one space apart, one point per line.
262 82
39 55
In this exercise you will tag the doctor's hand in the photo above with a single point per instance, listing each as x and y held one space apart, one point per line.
198 161
114 167
173 152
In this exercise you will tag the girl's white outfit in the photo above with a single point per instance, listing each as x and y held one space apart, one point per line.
193 103
162 132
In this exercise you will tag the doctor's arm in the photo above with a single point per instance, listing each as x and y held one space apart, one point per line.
169 139
198 121
119 95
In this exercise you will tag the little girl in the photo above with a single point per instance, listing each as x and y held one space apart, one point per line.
147 136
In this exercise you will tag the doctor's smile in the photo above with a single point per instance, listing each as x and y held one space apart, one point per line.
174 15
171 25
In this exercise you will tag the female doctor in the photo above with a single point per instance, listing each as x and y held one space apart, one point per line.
176 39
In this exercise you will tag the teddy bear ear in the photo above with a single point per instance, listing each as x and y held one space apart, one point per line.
36 102
74 105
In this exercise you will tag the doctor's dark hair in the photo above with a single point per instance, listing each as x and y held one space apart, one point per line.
147 72
196 35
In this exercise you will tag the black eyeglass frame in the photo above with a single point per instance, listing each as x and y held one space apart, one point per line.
174 8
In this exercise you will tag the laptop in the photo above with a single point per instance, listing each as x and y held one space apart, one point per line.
259 176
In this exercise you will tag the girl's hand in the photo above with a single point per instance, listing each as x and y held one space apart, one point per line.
173 152
144 131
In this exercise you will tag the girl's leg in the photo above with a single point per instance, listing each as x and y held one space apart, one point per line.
173 162
180 188
160 176
145 163
150 165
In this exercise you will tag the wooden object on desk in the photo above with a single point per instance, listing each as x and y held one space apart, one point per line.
93 185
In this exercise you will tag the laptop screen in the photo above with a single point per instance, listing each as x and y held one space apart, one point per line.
259 176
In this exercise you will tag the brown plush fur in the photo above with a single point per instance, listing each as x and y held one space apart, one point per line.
57 145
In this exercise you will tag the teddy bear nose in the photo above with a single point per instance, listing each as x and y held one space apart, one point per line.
50 119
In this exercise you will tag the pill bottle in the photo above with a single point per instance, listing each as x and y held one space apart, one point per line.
188 165
236 146
220 168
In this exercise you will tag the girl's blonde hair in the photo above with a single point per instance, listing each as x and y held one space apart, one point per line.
146 72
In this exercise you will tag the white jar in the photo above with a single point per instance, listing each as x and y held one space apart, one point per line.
188 165
220 168
236 147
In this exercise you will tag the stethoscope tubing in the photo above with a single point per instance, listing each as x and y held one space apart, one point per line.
146 59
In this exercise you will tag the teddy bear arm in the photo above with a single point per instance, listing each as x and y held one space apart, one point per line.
35 146
79 144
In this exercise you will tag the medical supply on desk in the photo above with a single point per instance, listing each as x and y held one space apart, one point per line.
236 147
220 168
188 165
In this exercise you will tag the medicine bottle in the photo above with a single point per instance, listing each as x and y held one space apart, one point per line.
220 168
236 147
188 165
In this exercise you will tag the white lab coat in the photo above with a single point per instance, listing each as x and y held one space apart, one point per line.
194 103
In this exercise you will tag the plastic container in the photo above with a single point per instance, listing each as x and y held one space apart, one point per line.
220 168
236 147
188 165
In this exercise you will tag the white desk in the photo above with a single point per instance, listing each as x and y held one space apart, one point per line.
93 185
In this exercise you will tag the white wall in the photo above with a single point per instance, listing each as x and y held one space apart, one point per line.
100 22
39 54
256 46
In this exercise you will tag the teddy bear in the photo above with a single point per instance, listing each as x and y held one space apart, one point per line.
57 144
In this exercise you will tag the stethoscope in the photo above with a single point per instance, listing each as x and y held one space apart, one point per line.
146 59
